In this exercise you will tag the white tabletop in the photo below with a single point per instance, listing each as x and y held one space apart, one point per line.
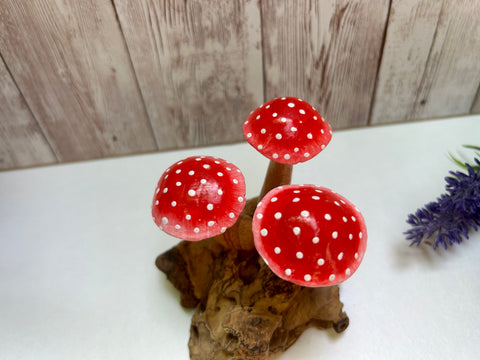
77 252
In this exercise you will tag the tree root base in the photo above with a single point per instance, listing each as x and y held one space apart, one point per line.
243 310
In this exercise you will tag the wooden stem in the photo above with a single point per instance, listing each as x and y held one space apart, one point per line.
277 175
239 236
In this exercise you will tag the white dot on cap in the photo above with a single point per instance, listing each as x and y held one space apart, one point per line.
293 128
278 215
274 114
259 216
211 223
157 202
220 192
296 149
210 207
203 181
296 230
296 199
188 217
273 199
316 240
340 256
258 117
278 136
260 147
308 277
291 105
191 172
283 120
354 219
235 181
328 217
191 192
315 197
331 277
173 203
288 272
249 135
299 255
219 173
263 131
231 215
177 227
334 234
277 250
164 221
360 235
305 213
310 136
275 156
178 171
264 232
301 111
306 154
348 271
206 166
240 199
350 236
178 183
345 219
314 117
196 230
356 255
286 156
320 262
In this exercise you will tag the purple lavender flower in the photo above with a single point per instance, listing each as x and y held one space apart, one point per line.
450 218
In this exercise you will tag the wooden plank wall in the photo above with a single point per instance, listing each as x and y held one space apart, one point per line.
99 78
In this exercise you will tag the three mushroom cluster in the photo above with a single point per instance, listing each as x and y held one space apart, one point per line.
306 234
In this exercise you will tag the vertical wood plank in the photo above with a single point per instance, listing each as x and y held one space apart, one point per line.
70 61
476 104
430 66
22 142
326 52
199 66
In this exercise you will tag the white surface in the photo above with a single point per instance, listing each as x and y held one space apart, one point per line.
77 251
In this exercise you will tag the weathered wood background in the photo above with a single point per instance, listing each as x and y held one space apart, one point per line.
98 78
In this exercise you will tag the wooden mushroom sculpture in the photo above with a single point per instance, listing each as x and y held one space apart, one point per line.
268 267
309 235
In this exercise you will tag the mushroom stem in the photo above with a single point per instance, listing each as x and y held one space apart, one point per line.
277 174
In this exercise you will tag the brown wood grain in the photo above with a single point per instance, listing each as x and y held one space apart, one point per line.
326 52
71 64
22 142
198 64
430 65
476 104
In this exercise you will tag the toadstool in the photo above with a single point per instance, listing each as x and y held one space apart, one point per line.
198 197
287 131
309 235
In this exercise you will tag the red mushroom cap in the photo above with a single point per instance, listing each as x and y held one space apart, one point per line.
287 130
309 235
198 197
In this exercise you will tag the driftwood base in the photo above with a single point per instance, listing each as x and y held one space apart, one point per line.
243 310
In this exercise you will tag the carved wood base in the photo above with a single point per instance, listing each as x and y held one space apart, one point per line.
243 310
